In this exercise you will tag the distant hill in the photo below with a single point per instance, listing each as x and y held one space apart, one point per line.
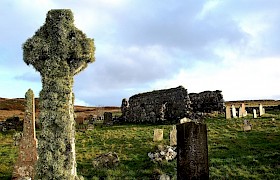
15 107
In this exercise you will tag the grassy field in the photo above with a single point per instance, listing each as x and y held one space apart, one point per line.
233 154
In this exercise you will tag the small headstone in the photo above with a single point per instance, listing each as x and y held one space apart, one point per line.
261 109
228 113
108 118
240 113
245 113
233 110
192 149
243 110
247 125
247 128
254 113
158 135
173 136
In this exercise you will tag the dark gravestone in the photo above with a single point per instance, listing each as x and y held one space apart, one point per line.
192 158
108 118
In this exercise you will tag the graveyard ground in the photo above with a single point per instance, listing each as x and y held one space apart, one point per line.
233 154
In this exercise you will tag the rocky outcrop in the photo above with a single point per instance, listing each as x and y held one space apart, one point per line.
108 160
163 153
207 101
157 106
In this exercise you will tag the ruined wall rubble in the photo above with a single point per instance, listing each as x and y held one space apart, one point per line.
157 106
207 101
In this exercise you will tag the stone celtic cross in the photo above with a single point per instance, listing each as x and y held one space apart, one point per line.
58 50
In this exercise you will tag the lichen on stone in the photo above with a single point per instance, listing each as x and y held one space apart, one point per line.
58 50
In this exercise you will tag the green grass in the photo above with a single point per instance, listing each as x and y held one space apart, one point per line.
233 154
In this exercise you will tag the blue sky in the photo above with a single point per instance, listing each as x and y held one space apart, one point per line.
144 45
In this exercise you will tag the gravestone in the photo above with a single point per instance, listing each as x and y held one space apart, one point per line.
228 113
158 135
173 136
108 118
58 51
245 113
240 114
27 157
261 110
247 126
233 110
243 110
192 149
255 113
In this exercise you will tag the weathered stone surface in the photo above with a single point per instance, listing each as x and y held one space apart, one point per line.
173 136
108 118
255 113
261 110
192 149
247 125
207 101
157 106
240 112
58 51
25 165
233 110
243 110
108 160
228 112
158 135
124 109
163 153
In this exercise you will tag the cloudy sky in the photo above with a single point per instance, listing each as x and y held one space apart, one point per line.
144 45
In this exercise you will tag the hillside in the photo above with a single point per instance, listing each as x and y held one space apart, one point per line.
15 107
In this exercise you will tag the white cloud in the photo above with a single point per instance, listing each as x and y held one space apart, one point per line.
240 79
144 45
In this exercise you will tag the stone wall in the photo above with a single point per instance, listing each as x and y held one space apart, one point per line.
157 106
207 101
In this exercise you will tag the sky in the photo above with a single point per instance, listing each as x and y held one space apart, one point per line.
144 45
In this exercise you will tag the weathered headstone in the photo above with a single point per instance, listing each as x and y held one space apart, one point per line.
173 136
240 114
245 113
261 110
192 149
243 110
108 118
58 50
27 158
247 125
228 113
233 110
254 113
158 135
